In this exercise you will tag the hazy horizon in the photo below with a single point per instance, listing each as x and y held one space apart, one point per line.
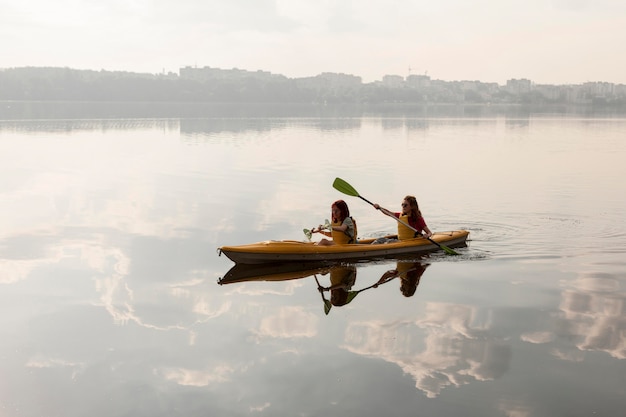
279 74
554 42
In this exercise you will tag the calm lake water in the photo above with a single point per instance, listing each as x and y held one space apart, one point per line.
111 217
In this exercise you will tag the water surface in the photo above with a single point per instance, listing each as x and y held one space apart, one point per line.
110 223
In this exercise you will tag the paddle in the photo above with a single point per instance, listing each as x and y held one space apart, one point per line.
327 303
309 233
387 276
344 187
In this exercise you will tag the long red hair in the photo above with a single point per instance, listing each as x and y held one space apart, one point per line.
344 212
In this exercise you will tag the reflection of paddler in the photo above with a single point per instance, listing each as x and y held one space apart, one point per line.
342 278
409 273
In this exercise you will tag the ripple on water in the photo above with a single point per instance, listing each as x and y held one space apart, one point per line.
488 239
546 236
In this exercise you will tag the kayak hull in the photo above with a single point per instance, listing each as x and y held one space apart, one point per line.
273 251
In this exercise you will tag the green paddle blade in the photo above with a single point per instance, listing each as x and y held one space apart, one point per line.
448 250
351 295
344 187
327 306
309 234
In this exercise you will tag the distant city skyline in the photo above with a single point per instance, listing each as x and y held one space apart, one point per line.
384 79
549 42
384 76
207 84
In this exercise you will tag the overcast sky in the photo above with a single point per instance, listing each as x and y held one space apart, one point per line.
546 41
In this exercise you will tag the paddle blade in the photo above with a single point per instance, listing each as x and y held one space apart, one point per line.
448 250
351 296
344 187
444 248
327 306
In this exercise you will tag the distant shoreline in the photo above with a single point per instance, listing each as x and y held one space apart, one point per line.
213 85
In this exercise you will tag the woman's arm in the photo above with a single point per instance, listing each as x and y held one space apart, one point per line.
384 210
321 231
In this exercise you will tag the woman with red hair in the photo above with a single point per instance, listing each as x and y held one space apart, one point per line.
343 227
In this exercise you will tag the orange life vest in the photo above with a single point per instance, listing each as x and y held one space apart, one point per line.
405 232
342 238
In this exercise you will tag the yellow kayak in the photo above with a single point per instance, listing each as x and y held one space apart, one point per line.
278 251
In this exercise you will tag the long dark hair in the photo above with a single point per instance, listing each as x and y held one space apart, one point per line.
343 210
415 213
409 283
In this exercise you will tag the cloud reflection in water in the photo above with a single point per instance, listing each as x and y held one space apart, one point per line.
440 350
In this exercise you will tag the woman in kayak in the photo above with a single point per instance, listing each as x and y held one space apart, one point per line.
410 215
343 228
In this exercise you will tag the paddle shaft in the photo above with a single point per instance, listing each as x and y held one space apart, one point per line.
408 225
396 275
376 285
327 304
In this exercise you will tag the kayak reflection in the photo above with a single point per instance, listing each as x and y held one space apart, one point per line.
341 289
273 272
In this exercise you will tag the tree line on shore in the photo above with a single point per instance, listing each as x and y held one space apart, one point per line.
65 84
